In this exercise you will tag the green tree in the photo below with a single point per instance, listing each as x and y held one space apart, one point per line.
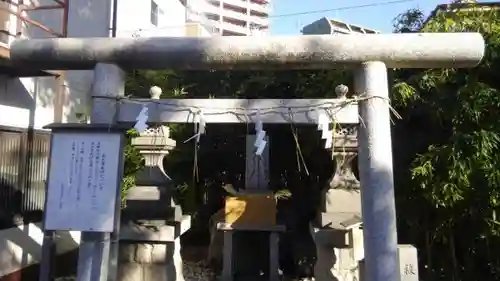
449 137
134 161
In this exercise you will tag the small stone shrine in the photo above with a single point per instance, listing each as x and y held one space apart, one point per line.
245 231
151 222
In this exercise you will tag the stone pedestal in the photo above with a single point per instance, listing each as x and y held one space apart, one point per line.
151 222
151 252
339 252
337 233
228 272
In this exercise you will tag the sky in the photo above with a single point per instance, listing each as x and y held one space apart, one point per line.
285 21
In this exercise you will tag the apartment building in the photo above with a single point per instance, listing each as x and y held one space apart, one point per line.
231 17
332 26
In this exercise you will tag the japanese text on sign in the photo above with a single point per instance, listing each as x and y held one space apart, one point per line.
83 181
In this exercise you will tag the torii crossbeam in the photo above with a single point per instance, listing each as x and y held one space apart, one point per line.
369 55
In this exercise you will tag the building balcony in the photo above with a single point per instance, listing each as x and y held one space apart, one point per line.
263 8
233 28
189 29
237 16
260 8
254 20
259 21
329 26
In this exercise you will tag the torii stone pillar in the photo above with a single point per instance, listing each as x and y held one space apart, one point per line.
376 176
369 55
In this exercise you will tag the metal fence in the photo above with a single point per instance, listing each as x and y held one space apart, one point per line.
24 157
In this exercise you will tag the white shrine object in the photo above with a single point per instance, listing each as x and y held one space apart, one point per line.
408 263
151 222
141 120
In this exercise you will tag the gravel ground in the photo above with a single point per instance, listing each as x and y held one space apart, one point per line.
197 271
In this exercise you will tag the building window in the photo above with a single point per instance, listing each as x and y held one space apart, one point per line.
154 13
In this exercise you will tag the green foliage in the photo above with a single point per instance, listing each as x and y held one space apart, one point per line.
134 162
410 21
450 139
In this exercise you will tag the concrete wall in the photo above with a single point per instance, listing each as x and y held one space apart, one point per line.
21 247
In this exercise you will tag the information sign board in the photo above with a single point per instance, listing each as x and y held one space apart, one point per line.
83 181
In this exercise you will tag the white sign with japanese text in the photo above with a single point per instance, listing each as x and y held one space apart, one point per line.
82 182
408 263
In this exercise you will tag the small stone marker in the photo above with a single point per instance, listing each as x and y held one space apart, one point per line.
408 263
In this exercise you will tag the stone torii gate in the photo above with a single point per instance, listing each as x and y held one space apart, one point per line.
369 55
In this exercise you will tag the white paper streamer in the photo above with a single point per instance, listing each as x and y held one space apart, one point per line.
259 138
325 133
261 147
323 121
142 119
329 142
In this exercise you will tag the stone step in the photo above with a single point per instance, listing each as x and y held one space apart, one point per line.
135 211
149 193
154 233
339 220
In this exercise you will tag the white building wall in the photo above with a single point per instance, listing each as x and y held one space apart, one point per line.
171 20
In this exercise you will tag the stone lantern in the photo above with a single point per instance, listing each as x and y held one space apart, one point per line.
151 221
338 234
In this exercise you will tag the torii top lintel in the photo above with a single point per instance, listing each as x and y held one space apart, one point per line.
415 50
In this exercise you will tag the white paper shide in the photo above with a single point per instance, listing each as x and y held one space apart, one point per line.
83 180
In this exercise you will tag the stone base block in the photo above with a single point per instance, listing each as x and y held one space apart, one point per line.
145 253
342 201
336 265
150 261
158 233
339 221
331 237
